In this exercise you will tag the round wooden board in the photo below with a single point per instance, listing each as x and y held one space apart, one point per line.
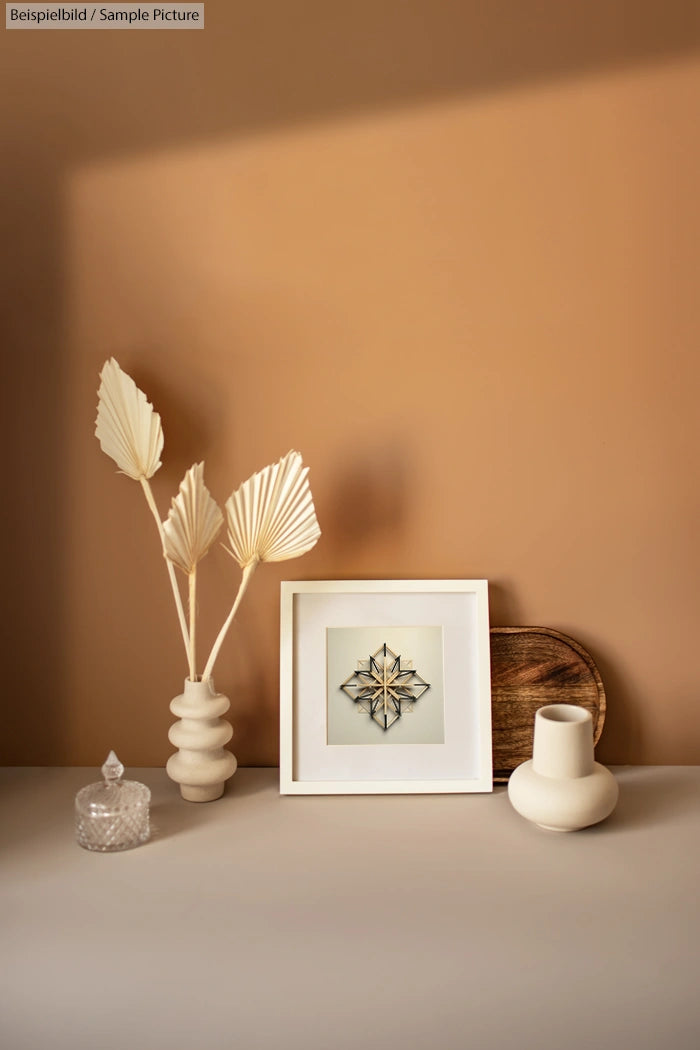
531 667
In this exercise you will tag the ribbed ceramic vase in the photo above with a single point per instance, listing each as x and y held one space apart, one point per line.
562 788
201 765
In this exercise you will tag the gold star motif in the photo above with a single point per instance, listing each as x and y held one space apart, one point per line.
382 688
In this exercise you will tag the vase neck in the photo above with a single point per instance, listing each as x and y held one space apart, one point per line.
563 743
200 688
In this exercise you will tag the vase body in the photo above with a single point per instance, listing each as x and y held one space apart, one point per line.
562 788
201 766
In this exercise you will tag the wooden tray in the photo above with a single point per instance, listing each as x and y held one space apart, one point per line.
531 667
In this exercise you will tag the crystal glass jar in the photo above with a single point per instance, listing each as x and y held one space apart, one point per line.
112 815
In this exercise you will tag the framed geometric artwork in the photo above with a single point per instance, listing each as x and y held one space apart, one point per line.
384 687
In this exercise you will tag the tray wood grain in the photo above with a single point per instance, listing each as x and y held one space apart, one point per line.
531 667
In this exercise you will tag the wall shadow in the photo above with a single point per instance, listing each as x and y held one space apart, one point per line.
93 95
34 516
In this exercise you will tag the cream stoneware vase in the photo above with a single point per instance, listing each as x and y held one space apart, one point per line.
562 788
201 765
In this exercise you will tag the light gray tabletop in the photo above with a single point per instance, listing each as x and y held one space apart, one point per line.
306 923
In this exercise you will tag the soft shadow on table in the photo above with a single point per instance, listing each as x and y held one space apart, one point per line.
649 797
172 815
177 816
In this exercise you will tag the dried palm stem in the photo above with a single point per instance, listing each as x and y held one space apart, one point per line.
148 493
245 580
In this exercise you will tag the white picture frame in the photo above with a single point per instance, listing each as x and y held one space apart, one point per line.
322 623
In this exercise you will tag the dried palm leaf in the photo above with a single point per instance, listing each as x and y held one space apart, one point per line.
193 523
191 528
127 427
271 517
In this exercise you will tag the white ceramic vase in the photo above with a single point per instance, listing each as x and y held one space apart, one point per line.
562 788
201 766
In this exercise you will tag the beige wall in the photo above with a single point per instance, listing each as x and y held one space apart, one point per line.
452 260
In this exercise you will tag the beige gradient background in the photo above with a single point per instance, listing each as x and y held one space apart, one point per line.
448 250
